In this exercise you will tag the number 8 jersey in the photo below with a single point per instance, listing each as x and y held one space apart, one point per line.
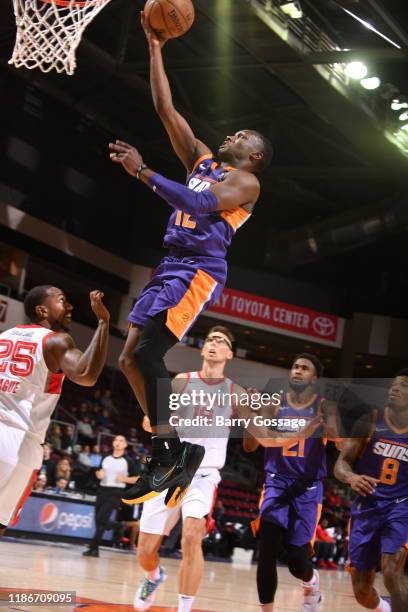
386 457
28 390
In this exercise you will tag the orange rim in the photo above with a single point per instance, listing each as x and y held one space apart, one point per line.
67 3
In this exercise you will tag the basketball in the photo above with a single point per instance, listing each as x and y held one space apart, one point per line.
169 18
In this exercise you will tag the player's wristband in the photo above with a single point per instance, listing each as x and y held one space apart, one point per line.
183 198
140 170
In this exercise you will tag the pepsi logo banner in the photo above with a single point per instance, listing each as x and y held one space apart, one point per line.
57 517
278 317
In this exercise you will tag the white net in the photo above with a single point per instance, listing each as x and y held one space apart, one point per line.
49 32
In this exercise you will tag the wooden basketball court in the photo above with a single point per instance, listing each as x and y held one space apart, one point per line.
108 583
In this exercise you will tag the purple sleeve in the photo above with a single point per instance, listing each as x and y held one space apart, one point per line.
183 198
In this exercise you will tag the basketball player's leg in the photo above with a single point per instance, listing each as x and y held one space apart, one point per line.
270 544
299 562
364 591
392 567
192 563
156 522
304 515
394 539
196 508
365 557
274 521
155 341
20 458
148 552
130 368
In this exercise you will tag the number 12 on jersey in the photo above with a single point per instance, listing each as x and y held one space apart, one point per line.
184 220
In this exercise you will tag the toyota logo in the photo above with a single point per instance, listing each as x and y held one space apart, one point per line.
323 326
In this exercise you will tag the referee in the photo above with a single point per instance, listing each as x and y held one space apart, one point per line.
116 471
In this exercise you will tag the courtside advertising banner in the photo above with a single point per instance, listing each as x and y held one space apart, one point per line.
54 517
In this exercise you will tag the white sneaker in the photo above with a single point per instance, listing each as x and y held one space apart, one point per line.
146 593
312 596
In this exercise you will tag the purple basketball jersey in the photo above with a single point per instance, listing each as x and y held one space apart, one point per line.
304 458
210 234
386 457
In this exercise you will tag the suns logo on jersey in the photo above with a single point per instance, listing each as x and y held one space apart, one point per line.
394 451
198 184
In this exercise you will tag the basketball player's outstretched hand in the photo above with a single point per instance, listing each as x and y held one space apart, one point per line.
123 153
98 307
363 485
152 38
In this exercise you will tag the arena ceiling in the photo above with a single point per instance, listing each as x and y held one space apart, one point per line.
334 204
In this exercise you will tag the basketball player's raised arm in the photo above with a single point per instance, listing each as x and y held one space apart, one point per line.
186 146
238 189
61 354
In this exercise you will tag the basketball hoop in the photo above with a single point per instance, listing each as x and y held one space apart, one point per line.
49 32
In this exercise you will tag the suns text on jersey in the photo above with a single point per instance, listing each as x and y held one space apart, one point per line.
391 450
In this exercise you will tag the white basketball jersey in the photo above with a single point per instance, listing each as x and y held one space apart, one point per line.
28 390
214 400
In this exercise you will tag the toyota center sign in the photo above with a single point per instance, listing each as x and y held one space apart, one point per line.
278 317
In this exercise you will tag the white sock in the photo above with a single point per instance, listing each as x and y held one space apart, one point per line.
154 574
383 606
185 603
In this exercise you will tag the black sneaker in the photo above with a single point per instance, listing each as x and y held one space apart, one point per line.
177 492
91 552
157 478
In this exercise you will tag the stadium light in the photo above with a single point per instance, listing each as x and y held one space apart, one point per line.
291 8
370 82
356 70
397 105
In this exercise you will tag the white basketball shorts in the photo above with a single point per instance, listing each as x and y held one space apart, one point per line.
21 455
197 503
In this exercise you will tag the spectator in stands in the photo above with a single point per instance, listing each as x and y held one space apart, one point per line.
325 546
48 466
86 434
83 411
54 436
107 402
40 484
96 400
67 439
61 485
63 470
84 456
95 456
103 420
333 497
133 439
